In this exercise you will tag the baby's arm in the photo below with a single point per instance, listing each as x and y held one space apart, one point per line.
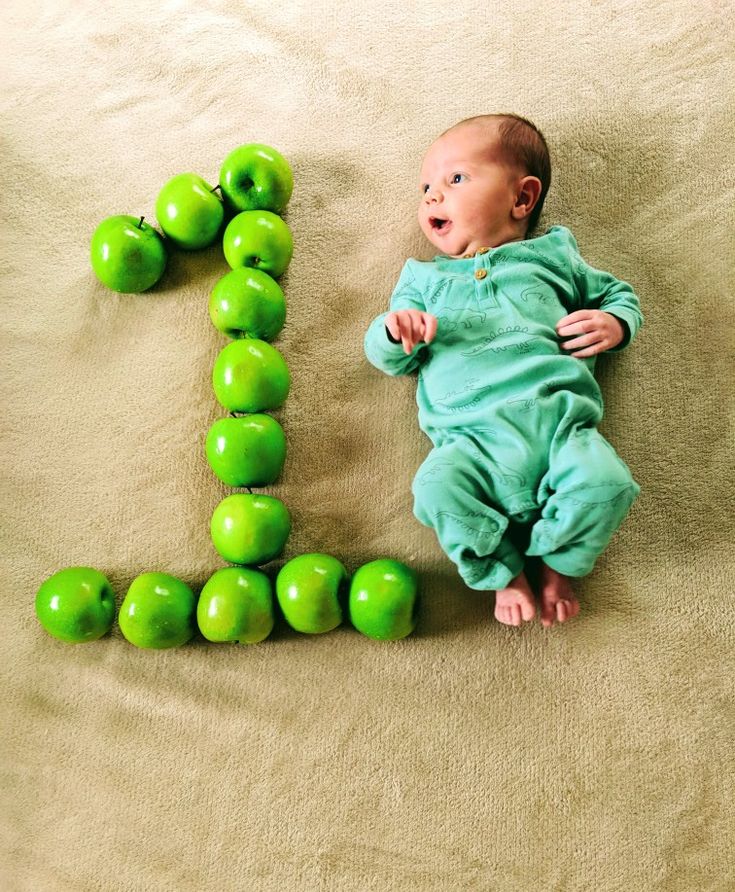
610 313
396 341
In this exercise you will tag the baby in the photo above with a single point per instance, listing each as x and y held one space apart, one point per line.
504 330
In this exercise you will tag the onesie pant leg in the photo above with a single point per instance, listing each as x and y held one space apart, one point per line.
588 491
452 496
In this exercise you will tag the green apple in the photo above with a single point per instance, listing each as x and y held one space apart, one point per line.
256 177
249 450
259 239
127 254
309 588
76 604
384 600
159 611
236 604
189 212
249 303
250 376
250 529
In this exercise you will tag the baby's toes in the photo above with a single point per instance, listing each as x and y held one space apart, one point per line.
548 612
504 614
566 609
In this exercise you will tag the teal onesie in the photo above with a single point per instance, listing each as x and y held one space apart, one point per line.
518 466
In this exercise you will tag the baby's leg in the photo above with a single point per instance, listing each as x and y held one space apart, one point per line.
590 491
452 496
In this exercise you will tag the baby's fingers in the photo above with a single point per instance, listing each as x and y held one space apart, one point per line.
406 329
586 340
417 329
586 346
399 326
575 323
411 327
393 325
429 327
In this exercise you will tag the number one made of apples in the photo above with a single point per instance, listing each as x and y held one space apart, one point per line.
246 449
250 376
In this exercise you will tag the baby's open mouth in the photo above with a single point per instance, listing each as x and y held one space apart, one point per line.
439 225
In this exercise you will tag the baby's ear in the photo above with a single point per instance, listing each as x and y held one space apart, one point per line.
527 196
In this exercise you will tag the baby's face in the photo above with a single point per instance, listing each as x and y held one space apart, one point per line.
467 194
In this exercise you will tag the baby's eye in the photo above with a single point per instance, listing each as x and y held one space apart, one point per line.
425 188
455 177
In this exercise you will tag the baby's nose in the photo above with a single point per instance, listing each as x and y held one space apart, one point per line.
432 195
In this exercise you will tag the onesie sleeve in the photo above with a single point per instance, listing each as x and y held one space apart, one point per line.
599 290
381 350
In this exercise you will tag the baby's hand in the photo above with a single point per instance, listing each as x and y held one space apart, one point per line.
411 327
599 331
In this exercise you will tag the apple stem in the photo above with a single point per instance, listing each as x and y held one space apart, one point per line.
140 222
216 188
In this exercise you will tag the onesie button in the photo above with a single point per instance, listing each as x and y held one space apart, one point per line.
483 250
480 273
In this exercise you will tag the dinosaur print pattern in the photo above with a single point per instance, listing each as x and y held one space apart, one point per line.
490 342
450 318
449 401
537 293
468 523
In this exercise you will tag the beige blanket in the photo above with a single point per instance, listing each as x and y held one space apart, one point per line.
594 756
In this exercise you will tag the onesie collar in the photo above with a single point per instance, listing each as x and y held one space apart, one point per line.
442 258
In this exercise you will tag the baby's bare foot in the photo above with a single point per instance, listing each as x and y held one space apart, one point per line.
515 604
557 598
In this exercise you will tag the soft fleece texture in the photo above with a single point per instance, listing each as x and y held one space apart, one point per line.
471 755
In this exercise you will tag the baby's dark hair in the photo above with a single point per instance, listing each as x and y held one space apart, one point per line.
521 143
